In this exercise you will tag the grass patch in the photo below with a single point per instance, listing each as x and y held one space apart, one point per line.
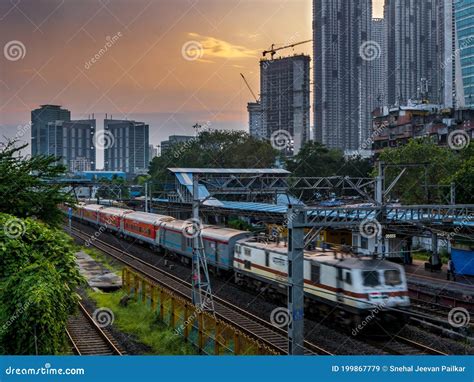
138 320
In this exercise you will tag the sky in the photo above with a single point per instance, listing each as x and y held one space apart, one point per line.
169 63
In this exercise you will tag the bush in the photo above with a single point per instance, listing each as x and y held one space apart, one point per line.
38 279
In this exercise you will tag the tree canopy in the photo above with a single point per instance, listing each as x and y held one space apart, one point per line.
436 167
38 279
24 187
314 160
215 149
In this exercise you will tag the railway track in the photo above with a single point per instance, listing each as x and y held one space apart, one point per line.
87 338
404 346
264 331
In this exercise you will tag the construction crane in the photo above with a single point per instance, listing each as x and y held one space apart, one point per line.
273 50
251 91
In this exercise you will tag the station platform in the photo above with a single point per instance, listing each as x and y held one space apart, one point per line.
96 274
462 288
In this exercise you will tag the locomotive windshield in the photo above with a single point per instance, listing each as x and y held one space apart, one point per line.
392 277
371 278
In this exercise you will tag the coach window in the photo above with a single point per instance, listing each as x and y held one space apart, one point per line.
247 264
247 251
392 277
364 242
315 273
237 249
267 258
348 278
371 278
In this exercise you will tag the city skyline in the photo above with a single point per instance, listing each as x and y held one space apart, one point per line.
134 79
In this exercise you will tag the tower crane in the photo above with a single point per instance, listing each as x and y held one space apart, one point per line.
273 50
251 91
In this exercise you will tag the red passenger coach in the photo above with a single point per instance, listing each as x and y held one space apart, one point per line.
90 212
111 217
143 225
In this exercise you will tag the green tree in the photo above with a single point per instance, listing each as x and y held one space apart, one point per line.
314 160
463 177
38 279
435 167
25 184
214 149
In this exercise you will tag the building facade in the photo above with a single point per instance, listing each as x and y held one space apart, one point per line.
464 19
73 143
255 120
285 100
413 41
343 57
174 140
127 146
393 127
379 64
39 126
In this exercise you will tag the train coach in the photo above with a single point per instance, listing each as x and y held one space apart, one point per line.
218 242
144 226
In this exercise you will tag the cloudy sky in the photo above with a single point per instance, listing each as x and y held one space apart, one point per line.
146 66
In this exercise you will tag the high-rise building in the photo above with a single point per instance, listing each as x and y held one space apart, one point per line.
73 143
174 140
126 146
414 68
379 64
285 101
255 120
343 54
464 16
153 152
39 126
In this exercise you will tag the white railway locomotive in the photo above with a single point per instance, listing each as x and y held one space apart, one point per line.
349 287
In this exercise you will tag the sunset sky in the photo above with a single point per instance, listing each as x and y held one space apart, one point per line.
145 74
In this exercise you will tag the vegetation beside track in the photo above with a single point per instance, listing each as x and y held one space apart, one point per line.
38 279
138 320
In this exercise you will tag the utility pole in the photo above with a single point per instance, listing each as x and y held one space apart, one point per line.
202 293
295 282
146 196
379 198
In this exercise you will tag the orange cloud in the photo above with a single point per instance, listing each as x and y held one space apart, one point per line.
214 47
